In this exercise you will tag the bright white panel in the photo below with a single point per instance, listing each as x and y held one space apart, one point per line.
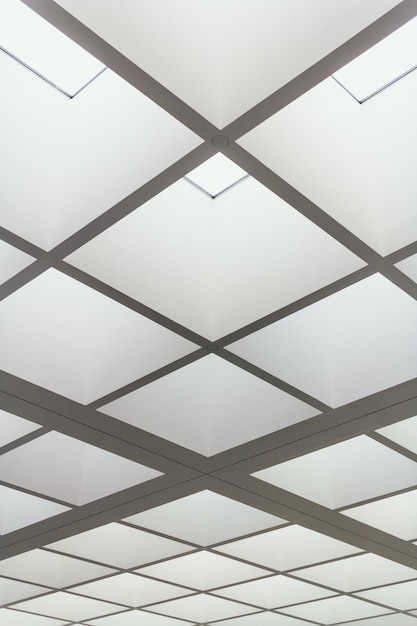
348 160
209 407
70 470
12 260
344 473
205 518
77 157
130 590
287 548
216 174
264 619
383 63
402 596
234 63
69 607
404 433
16 618
14 590
346 346
137 618
120 546
90 345
13 427
243 245
334 610
203 571
358 572
201 608
409 267
396 515
275 592
19 509
53 570
44 48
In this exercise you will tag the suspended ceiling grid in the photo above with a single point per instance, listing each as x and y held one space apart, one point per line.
207 318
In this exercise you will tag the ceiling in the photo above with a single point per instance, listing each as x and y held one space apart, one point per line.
208 313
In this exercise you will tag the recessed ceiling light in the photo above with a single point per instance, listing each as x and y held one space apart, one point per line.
43 49
383 64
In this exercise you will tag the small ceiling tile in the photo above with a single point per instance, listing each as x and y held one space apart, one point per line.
47 568
344 473
252 254
14 590
264 619
349 345
205 518
69 606
18 618
65 468
401 596
120 546
394 619
131 590
19 509
136 618
404 433
201 608
288 548
12 260
274 592
216 174
209 406
409 267
357 572
396 515
14 427
203 571
333 610
90 344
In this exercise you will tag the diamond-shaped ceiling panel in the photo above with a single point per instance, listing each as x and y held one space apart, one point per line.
208 356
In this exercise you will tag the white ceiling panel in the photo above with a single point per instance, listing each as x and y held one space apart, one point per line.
221 79
137 618
44 49
203 571
396 515
90 344
209 406
347 159
65 468
201 608
403 433
12 260
19 509
77 157
333 610
357 572
264 619
130 590
54 570
14 427
14 590
346 346
382 64
249 251
68 606
205 518
347 472
18 618
274 592
394 619
288 548
120 546
216 174
409 267
401 596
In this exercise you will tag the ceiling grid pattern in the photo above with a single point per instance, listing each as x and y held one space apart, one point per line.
208 286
